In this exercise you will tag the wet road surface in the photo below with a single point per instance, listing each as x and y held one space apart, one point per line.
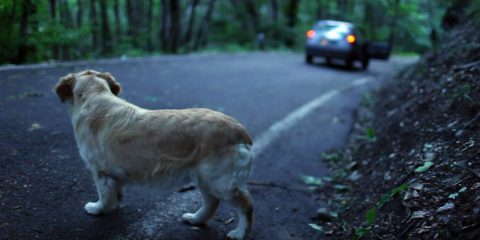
44 184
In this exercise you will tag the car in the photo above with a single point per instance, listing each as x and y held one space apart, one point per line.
342 40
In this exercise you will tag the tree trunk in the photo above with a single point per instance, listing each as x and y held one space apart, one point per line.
320 11
79 13
252 15
149 25
191 23
369 21
240 16
67 22
202 33
23 48
11 18
106 33
274 11
132 31
118 24
164 17
175 26
53 15
94 24
291 21
393 23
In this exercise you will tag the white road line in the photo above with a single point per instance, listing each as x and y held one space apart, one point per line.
178 203
275 130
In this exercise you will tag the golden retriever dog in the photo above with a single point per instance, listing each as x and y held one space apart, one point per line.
123 143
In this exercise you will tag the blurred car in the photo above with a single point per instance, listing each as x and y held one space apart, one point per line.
342 40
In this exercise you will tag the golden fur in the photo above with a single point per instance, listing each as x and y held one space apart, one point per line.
122 143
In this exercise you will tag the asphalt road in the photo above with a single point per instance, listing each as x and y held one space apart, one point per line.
44 184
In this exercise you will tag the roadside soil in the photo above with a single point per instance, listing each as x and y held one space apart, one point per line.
412 166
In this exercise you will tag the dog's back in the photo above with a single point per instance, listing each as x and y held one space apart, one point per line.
122 143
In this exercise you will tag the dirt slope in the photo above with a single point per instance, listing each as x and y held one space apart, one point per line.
412 167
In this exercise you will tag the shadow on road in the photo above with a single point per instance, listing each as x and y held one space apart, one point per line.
337 65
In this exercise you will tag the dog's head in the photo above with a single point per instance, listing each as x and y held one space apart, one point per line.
75 85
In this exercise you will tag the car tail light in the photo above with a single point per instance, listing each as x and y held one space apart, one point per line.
310 34
351 39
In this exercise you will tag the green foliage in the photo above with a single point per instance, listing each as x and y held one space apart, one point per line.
360 232
424 167
370 134
311 180
371 215
333 157
232 27
392 193
367 100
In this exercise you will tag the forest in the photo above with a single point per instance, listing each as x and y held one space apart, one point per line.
60 30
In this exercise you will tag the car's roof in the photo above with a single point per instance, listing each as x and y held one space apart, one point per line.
335 22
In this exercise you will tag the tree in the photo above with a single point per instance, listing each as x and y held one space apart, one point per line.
79 19
106 33
149 25
118 24
175 26
53 16
191 23
67 22
162 33
291 15
94 24
28 9
201 38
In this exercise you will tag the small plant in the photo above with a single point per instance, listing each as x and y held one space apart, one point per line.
311 180
372 212
367 100
332 157
370 134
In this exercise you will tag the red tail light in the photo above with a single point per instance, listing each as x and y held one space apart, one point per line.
310 34
351 39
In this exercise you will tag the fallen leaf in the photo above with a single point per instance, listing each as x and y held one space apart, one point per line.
355 176
455 195
417 186
424 167
35 126
418 214
316 227
340 187
311 180
445 207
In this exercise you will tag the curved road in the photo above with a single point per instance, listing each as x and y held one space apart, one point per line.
293 110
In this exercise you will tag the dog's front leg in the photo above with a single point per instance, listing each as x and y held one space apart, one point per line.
109 194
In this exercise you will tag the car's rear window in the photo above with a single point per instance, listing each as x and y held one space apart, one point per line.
341 28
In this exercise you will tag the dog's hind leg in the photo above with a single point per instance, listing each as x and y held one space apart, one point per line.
242 201
109 194
209 206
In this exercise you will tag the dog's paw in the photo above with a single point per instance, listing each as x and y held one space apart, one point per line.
94 208
236 235
191 218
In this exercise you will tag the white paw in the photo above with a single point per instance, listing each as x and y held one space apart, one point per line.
190 218
93 208
236 235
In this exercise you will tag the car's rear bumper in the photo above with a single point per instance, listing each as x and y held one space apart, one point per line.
329 52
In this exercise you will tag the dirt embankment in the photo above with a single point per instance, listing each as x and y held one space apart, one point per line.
412 167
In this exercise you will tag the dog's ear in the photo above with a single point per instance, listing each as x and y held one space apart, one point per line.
64 87
112 83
